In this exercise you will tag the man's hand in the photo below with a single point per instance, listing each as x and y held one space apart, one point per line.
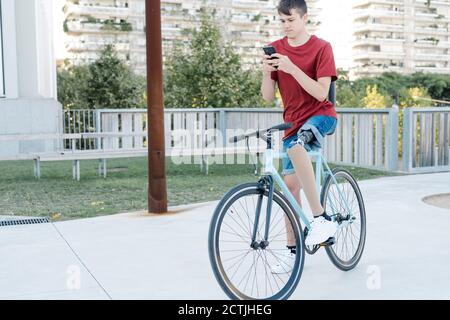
267 67
283 63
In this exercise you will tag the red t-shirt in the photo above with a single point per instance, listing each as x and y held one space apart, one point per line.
315 58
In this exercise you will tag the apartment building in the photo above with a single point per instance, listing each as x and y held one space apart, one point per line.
402 36
246 24
90 25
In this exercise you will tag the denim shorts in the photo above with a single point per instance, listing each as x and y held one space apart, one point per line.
320 126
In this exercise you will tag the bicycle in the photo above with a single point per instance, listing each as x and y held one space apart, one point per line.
252 240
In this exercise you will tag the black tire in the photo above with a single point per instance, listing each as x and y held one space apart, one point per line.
349 234
217 240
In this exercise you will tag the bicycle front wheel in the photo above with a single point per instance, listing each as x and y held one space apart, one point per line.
343 201
245 271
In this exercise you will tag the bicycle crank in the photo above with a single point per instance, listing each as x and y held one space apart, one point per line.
329 242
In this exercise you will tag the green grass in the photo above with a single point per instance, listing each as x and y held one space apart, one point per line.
125 188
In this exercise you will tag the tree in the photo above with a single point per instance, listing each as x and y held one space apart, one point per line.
374 99
410 98
112 84
208 73
104 84
346 95
414 97
391 84
437 85
72 85
388 84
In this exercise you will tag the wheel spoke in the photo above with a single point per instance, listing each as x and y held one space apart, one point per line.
242 270
241 262
274 226
235 232
248 218
240 224
346 248
274 275
280 261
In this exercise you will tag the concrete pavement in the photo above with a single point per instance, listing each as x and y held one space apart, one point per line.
139 256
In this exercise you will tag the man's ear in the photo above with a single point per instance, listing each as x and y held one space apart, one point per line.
305 18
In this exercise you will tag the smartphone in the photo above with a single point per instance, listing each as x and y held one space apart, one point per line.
269 50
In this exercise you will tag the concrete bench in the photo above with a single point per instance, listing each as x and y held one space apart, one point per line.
77 156
41 136
103 155
34 137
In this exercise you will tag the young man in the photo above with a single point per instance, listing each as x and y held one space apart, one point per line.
303 69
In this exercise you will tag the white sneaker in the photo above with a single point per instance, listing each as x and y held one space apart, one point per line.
285 263
321 231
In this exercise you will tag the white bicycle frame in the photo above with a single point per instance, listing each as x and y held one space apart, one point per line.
270 169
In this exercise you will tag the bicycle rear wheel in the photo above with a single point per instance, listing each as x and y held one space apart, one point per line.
347 209
243 270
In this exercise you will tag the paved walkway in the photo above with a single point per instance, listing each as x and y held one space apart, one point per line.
138 256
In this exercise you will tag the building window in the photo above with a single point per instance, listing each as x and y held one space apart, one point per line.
2 71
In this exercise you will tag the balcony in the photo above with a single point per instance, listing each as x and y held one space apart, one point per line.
431 17
177 17
376 41
94 46
437 3
138 48
383 56
432 31
431 57
244 35
77 9
367 3
249 5
377 27
439 70
377 13
99 27
239 20
172 1
170 32
377 70
432 44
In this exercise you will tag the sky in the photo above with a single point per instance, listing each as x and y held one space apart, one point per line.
335 28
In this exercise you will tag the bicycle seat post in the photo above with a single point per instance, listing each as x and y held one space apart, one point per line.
269 139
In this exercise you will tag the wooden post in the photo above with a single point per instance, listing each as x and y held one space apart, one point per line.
157 187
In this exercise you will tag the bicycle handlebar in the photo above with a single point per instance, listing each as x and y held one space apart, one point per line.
260 133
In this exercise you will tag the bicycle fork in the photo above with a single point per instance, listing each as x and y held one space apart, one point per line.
262 184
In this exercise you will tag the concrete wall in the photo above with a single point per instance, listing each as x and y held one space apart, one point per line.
30 105
28 116
2 82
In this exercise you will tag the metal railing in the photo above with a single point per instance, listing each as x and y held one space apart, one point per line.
363 137
426 135
81 121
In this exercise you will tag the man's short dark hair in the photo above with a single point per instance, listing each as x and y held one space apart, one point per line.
285 7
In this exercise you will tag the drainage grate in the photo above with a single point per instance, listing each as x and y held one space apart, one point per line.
18 222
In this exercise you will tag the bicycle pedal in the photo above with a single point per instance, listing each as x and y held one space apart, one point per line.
329 242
